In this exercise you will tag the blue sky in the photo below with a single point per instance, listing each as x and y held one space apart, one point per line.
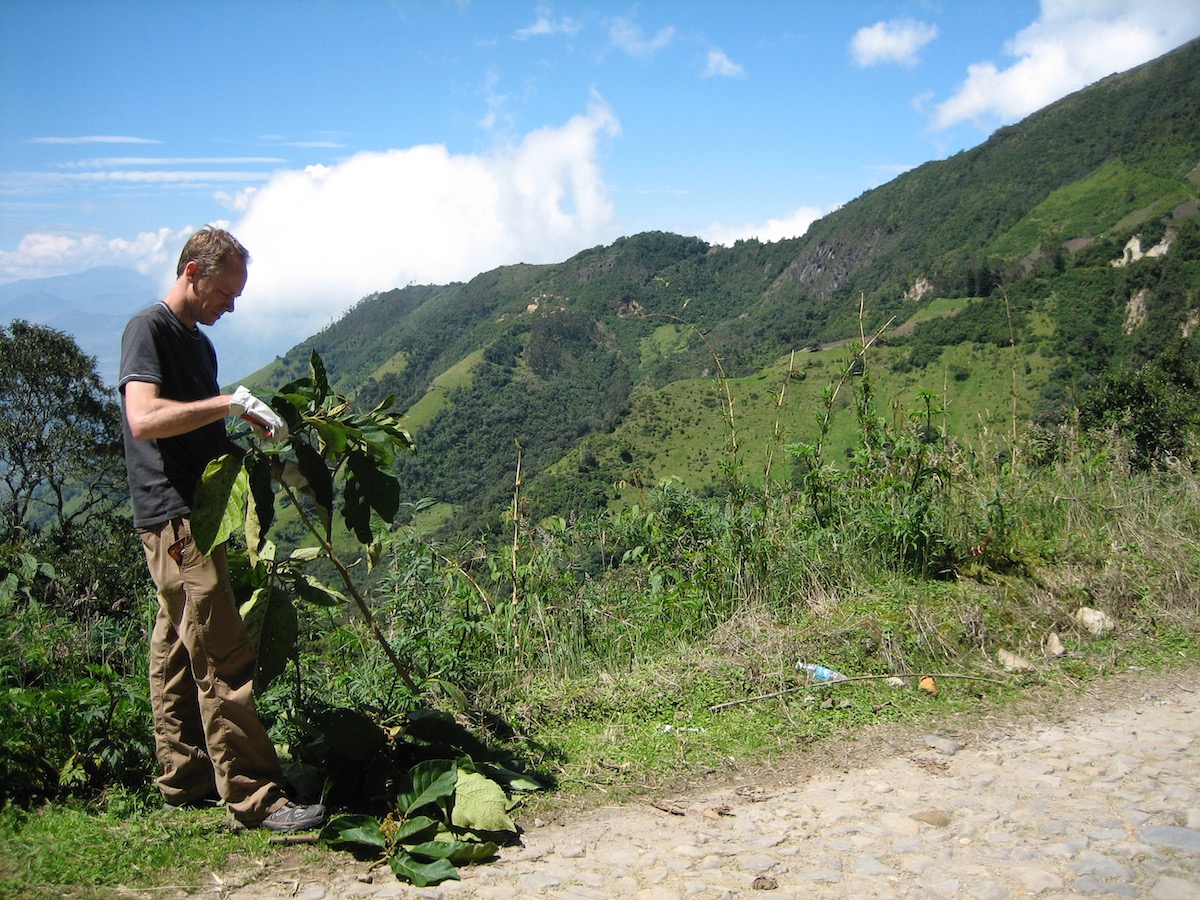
361 145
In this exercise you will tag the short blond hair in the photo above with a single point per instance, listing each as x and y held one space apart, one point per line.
209 248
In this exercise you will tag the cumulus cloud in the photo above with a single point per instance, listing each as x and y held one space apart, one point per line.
793 224
1072 44
40 255
627 36
720 65
323 238
896 41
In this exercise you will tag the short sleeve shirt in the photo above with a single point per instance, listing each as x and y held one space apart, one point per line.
163 472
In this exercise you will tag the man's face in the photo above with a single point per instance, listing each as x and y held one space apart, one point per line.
215 294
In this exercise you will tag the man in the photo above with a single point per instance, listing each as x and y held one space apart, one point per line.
207 733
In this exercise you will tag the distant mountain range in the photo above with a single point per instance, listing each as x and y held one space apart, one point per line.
91 306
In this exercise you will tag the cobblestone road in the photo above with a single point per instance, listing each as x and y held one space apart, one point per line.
1104 803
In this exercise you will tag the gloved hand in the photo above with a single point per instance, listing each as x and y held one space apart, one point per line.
264 420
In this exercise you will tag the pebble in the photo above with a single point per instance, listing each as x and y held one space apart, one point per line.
1102 805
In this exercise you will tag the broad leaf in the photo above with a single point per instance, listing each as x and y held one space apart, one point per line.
512 780
431 782
260 511
316 369
458 852
219 504
422 874
313 468
380 489
353 831
271 620
316 593
417 830
480 805
350 733
334 435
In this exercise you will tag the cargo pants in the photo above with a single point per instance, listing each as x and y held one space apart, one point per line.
207 733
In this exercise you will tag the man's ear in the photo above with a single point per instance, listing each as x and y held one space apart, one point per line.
191 269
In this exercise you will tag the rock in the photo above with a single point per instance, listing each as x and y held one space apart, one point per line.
941 744
1173 836
1054 645
1011 662
1094 621
935 817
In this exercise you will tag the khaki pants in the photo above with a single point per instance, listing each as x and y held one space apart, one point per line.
207 733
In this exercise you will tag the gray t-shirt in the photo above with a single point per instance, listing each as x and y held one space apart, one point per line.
163 472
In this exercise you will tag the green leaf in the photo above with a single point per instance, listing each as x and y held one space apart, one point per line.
480 805
316 369
271 619
260 512
512 780
316 593
458 852
306 554
434 726
416 830
219 504
422 874
353 831
334 435
380 489
351 733
313 468
430 781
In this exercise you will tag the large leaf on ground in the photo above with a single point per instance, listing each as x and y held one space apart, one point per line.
417 830
430 782
422 874
270 617
480 805
219 504
353 831
458 852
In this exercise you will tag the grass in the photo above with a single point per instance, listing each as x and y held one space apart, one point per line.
75 851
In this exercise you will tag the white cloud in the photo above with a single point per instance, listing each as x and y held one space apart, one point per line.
93 139
895 41
546 25
41 255
1072 44
793 224
627 36
323 238
720 65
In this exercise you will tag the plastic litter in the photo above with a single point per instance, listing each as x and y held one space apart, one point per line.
820 673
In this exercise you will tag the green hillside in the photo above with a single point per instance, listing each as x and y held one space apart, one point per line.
986 280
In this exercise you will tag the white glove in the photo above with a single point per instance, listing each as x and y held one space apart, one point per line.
264 420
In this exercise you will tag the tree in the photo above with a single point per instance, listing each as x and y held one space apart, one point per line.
61 460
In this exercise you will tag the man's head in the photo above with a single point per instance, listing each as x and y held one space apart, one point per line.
212 274
209 249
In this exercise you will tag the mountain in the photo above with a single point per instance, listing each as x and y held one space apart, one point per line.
1001 283
91 306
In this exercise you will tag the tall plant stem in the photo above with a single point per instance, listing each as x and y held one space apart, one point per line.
344 570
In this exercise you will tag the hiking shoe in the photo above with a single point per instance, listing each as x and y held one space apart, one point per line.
293 817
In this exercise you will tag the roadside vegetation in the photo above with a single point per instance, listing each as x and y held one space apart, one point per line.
646 645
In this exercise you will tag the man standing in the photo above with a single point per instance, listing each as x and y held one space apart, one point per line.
207 733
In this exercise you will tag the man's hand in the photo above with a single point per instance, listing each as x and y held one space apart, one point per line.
264 420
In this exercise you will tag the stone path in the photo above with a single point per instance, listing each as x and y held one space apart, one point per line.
1102 804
